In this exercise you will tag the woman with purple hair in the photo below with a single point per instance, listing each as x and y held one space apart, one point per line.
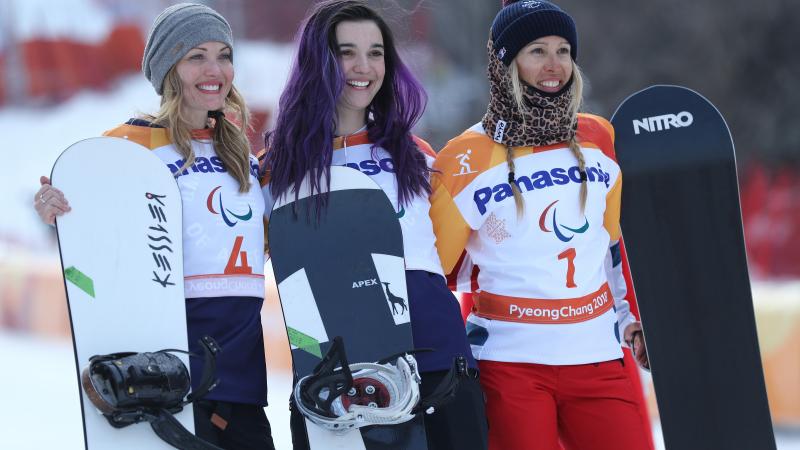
351 101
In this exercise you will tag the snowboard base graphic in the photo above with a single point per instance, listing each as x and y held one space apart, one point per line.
682 225
342 274
121 253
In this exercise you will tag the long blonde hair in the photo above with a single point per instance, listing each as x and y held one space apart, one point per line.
575 105
230 141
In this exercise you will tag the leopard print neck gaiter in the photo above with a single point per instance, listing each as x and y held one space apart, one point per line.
545 121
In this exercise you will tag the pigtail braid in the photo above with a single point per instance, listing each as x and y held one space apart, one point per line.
512 181
576 150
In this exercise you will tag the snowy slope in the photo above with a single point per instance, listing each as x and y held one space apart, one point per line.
39 388
82 20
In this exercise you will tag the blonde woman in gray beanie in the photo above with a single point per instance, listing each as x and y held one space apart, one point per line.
189 60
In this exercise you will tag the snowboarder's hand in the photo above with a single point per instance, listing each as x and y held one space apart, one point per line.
635 340
49 202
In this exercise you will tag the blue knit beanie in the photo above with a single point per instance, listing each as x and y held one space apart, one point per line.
521 22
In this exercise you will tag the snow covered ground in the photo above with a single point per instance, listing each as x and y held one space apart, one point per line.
41 408
40 391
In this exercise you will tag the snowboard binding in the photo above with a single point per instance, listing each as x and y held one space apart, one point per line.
341 397
130 387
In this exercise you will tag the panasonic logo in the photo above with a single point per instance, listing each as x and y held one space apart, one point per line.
206 165
538 180
664 122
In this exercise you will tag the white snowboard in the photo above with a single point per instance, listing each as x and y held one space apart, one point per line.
122 255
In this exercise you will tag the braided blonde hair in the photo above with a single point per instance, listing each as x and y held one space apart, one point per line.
575 104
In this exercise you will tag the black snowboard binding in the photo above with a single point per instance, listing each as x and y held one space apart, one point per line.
131 387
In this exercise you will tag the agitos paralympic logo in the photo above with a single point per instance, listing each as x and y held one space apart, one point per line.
558 228
226 213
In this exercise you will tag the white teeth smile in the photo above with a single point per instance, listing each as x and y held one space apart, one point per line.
550 83
358 83
208 87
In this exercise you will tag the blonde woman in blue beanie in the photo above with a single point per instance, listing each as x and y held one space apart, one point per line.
525 207
189 60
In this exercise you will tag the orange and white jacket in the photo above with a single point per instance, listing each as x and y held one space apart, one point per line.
223 229
548 285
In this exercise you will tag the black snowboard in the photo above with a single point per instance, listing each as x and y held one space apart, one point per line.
683 232
344 275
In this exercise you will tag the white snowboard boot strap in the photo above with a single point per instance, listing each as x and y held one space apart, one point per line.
341 397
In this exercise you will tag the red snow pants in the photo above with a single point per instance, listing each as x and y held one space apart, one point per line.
584 407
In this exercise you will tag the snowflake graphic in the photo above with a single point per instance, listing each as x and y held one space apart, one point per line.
496 228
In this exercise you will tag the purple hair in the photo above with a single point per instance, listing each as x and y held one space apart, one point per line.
302 141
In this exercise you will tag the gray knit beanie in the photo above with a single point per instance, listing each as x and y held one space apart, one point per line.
177 30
